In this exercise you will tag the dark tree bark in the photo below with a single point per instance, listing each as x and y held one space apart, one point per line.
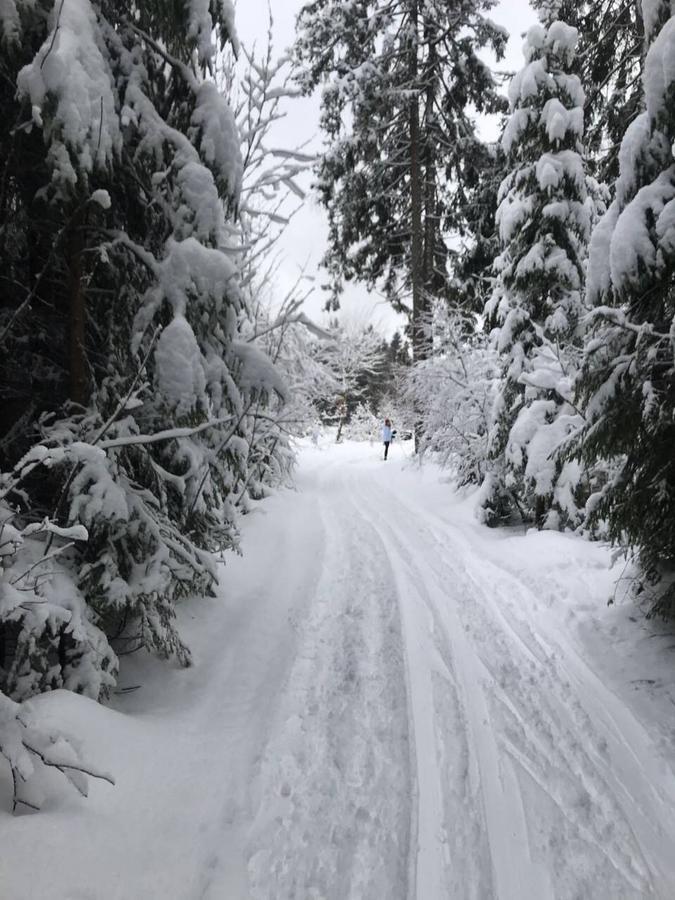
77 313
416 230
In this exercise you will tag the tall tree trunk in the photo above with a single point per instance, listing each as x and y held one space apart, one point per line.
419 342
430 150
76 318
416 230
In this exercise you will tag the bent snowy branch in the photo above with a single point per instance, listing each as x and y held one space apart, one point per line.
28 747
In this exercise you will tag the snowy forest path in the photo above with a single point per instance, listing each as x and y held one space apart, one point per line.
382 707
433 739
334 777
540 764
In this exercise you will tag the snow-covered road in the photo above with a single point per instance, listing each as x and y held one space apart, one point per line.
532 781
387 704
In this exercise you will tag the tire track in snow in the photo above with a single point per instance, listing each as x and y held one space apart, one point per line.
579 744
514 874
333 821
561 765
625 766
428 857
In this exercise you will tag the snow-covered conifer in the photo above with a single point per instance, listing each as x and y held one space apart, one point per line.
546 205
399 82
124 387
608 63
628 379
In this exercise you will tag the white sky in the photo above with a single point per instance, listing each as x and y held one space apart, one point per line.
304 241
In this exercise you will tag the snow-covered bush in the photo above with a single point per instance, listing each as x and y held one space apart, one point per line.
628 381
353 356
44 614
453 393
363 425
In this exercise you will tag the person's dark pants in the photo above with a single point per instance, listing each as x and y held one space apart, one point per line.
386 448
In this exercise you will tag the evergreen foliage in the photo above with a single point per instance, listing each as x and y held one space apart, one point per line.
139 411
471 286
628 380
383 383
120 305
544 217
398 84
608 62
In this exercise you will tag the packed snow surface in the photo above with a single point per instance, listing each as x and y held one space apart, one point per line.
388 701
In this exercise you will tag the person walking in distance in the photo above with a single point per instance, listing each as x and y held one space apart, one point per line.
386 436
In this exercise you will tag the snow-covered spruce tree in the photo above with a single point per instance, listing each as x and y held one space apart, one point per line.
609 55
123 387
399 80
628 379
544 219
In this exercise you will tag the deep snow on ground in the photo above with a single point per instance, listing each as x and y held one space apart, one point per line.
388 701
